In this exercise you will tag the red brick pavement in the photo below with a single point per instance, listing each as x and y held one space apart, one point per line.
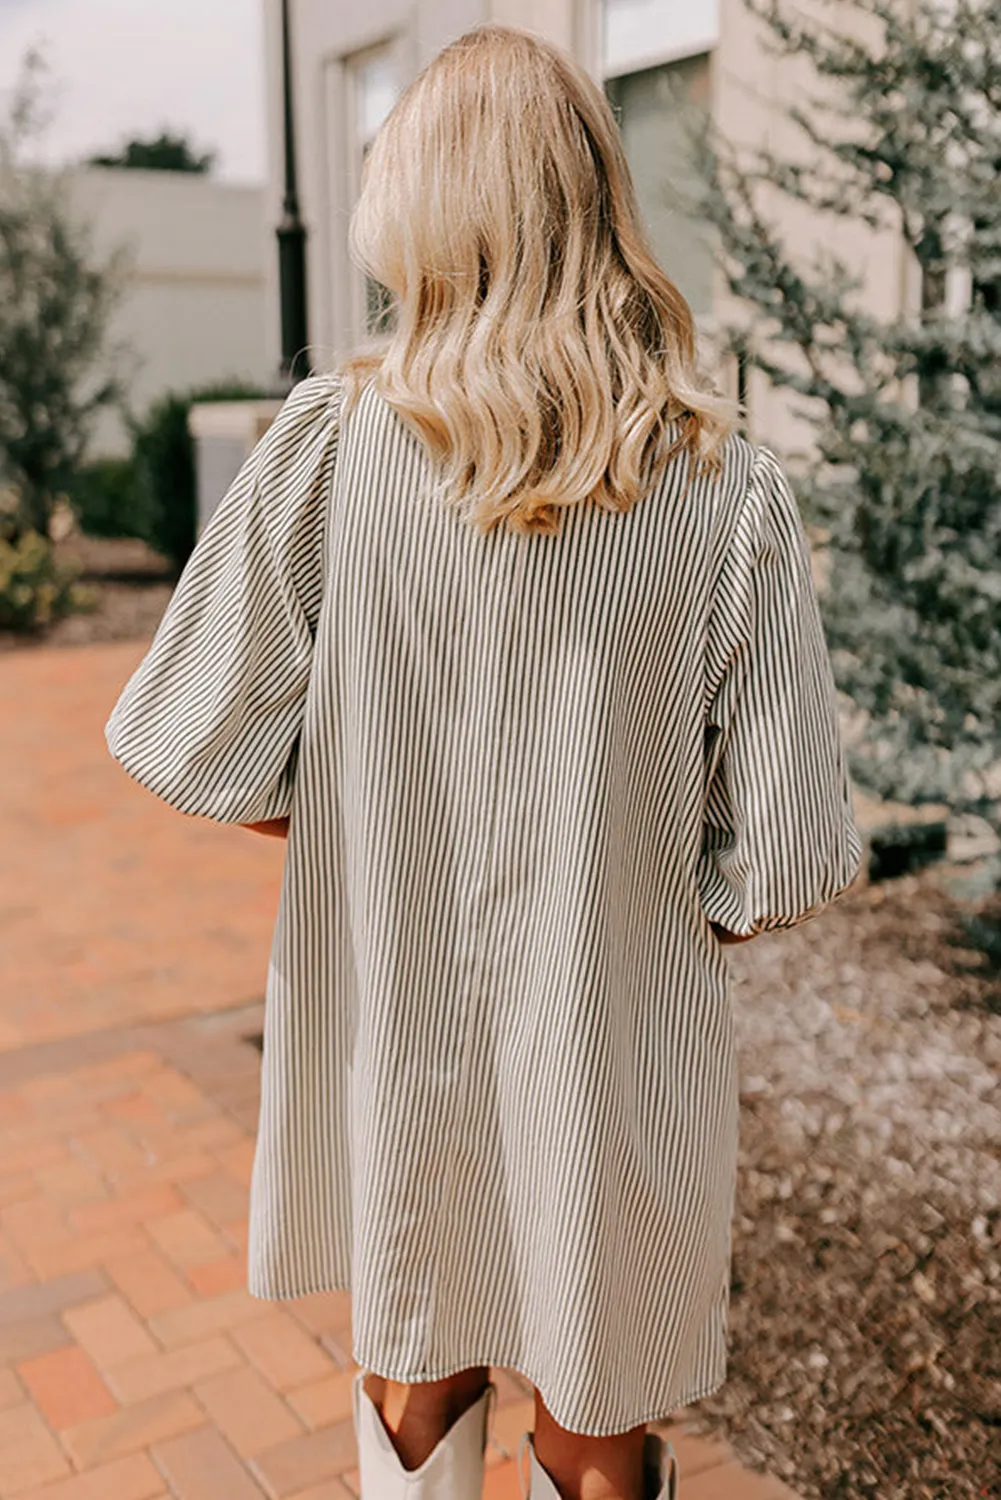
133 1362
114 907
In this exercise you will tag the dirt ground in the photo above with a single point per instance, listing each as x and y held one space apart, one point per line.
132 585
866 1289
866 1295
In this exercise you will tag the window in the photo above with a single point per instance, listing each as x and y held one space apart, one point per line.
636 33
656 66
373 90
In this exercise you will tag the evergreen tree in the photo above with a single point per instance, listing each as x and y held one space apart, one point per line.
903 134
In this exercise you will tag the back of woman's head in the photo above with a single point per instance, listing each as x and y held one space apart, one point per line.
538 349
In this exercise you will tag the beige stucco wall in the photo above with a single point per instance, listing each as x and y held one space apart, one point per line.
324 34
751 89
555 19
193 310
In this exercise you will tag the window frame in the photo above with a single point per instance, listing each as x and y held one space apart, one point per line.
351 64
655 57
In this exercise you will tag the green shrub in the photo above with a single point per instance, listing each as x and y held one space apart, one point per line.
108 500
164 456
165 467
34 588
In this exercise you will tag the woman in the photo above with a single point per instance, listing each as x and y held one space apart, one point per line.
518 646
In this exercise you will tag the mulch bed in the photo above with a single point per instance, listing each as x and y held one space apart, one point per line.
132 585
866 1289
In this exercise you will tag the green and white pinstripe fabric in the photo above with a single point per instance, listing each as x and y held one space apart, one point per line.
524 775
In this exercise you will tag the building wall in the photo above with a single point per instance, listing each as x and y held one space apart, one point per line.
751 91
325 35
714 47
194 307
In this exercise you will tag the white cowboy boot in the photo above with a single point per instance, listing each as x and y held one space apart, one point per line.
452 1471
660 1471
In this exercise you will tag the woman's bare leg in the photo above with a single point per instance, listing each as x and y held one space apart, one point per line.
418 1416
589 1468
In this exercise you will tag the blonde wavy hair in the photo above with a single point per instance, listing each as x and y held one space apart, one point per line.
538 348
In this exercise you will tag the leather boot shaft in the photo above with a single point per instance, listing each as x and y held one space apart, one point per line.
453 1470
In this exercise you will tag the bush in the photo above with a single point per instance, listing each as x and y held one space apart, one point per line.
165 469
108 500
34 588
164 457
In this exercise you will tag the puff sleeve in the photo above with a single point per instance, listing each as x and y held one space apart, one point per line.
210 719
779 837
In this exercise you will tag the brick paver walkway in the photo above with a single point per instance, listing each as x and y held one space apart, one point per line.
113 906
133 1363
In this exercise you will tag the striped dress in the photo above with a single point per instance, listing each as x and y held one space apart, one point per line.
524 774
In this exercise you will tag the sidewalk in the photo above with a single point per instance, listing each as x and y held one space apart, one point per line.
134 1365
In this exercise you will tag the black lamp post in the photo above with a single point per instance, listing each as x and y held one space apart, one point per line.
291 238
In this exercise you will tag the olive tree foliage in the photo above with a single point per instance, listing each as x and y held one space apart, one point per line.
903 133
56 302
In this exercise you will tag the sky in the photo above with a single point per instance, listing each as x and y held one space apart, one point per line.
121 68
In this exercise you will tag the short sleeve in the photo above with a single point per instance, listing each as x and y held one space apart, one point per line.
210 719
779 836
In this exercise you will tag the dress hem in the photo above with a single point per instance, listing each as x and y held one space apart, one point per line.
659 1415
